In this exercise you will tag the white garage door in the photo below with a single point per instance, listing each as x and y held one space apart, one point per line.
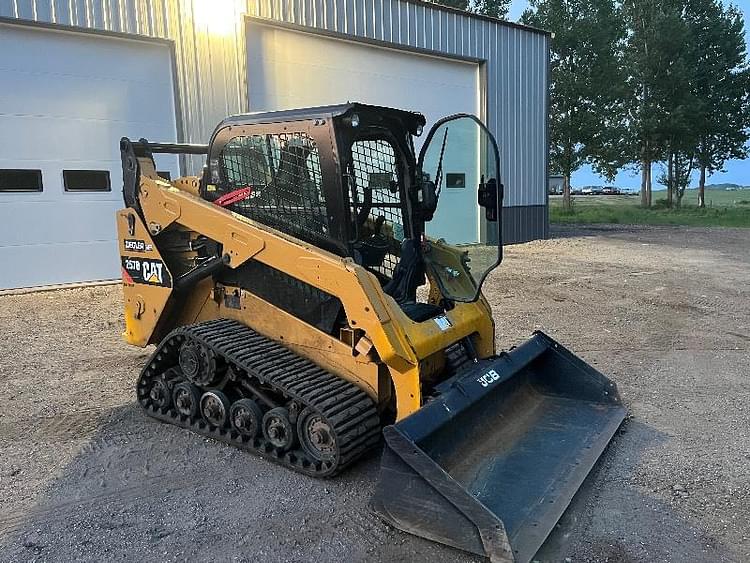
66 100
289 69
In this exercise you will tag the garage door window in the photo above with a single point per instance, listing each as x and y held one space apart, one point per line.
283 173
86 181
17 180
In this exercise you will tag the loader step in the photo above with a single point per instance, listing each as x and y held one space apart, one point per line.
253 372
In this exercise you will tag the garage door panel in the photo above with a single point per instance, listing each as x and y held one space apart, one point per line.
72 97
70 140
53 190
300 67
69 100
52 179
69 219
135 60
46 264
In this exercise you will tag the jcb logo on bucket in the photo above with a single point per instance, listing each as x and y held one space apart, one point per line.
489 377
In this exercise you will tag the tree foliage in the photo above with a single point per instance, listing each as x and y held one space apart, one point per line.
586 82
720 86
494 8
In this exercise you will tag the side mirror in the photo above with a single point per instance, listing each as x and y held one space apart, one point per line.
427 199
487 197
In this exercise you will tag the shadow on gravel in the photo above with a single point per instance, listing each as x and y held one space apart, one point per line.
139 488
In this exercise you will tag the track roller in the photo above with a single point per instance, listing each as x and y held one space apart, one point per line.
160 394
246 417
215 408
278 429
186 398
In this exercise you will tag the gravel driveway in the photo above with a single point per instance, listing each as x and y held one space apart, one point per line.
665 312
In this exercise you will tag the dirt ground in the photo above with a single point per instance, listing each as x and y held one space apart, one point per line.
665 312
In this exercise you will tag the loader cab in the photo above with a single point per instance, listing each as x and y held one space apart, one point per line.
346 179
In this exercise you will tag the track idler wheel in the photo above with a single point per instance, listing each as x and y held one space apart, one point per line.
278 429
316 436
246 417
199 364
186 398
215 408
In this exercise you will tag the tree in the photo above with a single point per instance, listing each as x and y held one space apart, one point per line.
674 100
680 167
688 88
657 82
586 81
720 84
494 8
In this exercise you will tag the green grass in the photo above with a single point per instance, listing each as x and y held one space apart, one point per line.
724 209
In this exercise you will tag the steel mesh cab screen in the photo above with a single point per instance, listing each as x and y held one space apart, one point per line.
377 191
283 172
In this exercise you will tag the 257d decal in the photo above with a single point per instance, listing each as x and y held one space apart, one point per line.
145 271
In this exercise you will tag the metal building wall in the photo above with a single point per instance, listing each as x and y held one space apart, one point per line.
212 76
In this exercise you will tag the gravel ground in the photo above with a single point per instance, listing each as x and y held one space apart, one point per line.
663 311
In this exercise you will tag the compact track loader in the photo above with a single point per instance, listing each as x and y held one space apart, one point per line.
300 311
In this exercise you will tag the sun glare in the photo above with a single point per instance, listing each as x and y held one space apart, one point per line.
216 16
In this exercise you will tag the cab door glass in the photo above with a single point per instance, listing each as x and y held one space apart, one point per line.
460 157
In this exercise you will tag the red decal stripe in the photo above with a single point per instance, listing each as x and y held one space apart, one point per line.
126 276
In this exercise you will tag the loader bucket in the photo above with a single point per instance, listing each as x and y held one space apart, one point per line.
492 463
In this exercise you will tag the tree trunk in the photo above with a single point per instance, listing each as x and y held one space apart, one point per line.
702 188
567 202
645 183
670 180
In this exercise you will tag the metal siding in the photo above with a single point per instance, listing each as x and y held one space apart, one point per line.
212 76
523 223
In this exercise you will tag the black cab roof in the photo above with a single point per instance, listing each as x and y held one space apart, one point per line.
412 120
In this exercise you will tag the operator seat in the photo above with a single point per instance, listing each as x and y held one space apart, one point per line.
408 275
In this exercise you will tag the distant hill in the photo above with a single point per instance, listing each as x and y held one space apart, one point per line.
725 187
717 187
660 188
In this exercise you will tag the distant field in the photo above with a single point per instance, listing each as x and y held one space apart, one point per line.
724 209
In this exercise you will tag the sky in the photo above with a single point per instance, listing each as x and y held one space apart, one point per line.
736 171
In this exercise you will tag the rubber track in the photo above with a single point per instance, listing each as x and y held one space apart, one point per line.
348 409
